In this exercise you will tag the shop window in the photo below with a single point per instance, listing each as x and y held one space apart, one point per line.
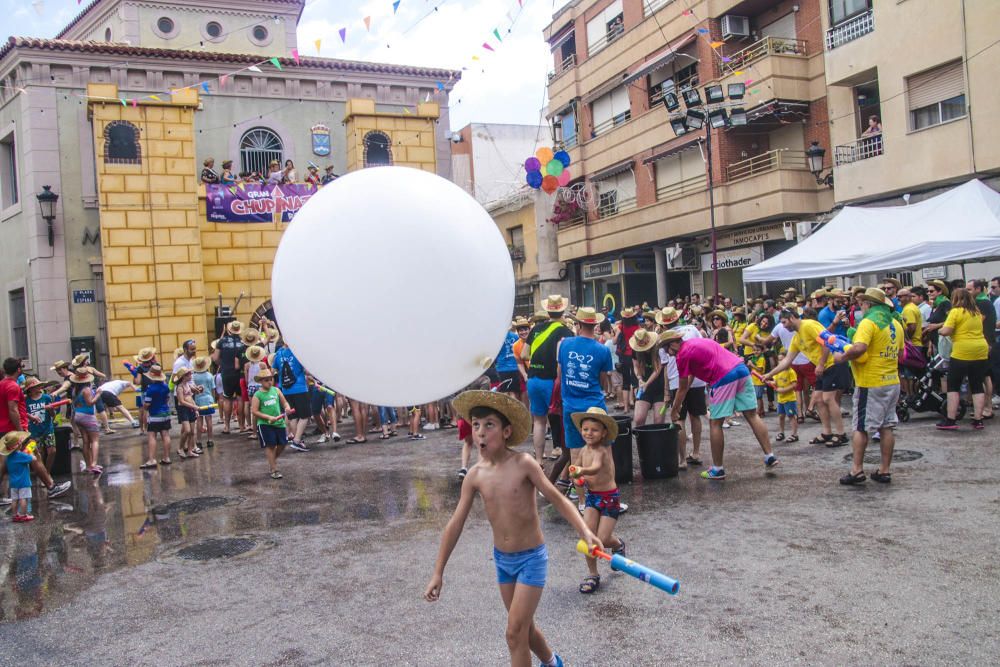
8 171
121 143
18 323
377 149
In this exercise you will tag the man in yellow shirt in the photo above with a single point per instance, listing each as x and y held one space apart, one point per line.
874 356
831 379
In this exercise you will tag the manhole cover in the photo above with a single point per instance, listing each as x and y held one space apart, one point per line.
217 547
193 505
898 456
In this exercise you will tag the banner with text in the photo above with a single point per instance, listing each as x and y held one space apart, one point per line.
256 203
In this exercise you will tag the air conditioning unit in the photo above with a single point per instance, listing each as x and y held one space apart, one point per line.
735 26
683 258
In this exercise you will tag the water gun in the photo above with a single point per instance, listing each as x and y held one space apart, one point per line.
756 373
574 472
134 370
324 388
58 404
29 447
633 569
833 341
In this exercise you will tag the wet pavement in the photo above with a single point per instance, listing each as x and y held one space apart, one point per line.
209 562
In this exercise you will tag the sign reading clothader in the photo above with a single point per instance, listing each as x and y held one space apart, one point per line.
548 169
256 203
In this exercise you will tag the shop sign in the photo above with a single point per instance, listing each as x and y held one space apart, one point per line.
601 269
639 265
934 273
320 139
738 258
751 236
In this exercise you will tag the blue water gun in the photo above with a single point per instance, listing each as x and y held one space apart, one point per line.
633 569
833 341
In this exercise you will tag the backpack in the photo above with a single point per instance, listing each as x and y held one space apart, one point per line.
286 375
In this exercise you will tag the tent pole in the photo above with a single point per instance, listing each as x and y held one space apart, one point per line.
963 272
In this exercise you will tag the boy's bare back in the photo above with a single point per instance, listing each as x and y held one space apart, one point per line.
508 492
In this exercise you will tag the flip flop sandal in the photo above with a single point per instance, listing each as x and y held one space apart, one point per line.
148 465
691 461
800 419
355 441
792 438
384 436
838 441
779 437
821 439
181 454
590 584
165 462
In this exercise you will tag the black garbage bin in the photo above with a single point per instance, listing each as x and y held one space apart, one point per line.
657 445
63 464
621 450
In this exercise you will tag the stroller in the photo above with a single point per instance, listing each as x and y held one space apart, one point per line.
927 396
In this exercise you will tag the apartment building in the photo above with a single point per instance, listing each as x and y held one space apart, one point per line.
641 207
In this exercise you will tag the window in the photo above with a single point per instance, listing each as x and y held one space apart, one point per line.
936 96
610 110
8 172
18 323
672 79
569 128
841 10
121 143
605 28
651 6
258 147
516 243
378 149
615 194
259 34
165 25
680 174
213 29
107 34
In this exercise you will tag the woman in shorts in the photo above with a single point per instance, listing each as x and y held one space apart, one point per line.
84 398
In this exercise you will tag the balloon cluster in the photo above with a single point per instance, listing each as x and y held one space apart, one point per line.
547 170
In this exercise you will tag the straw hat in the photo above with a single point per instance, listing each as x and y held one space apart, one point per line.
59 364
214 344
178 353
12 441
266 373
80 360
819 294
587 315
82 376
857 289
739 310
270 360
539 316
556 303
838 293
642 340
667 316
894 282
509 407
521 322
250 337
876 296
670 335
255 353
696 310
181 374
234 327
200 364
628 313
941 285
146 354
271 334
718 313
155 373
599 415
32 382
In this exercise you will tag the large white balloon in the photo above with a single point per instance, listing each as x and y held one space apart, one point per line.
393 285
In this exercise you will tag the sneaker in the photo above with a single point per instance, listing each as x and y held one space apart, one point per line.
559 662
4 501
198 449
323 438
335 436
298 446
947 425
135 424
714 473
57 490
429 427
83 466
623 507
726 425
572 495
276 475
25 518
978 424
771 461
417 436
877 437
210 443
462 473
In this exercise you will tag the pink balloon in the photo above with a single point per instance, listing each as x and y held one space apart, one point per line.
563 178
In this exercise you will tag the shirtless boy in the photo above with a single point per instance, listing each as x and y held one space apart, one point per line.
507 480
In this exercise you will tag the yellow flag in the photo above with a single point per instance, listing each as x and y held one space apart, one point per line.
318 43
716 45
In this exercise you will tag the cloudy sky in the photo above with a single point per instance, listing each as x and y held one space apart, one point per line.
504 86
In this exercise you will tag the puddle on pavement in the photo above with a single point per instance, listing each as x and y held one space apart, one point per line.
127 518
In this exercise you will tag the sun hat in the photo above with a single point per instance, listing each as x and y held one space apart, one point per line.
181 374
214 344
599 415
894 282
642 340
250 337
264 374
509 407
718 313
667 316
697 310
628 313
155 373
255 353
12 441
80 360
178 353
200 364
59 364
556 303
146 354
857 289
270 360
940 285
82 375
520 322
670 335
539 316
32 382
587 315
234 327
819 294
271 334
876 296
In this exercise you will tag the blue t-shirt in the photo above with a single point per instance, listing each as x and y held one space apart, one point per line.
17 469
157 399
207 383
36 408
285 356
506 361
826 317
582 361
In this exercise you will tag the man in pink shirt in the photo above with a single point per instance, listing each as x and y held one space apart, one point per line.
731 391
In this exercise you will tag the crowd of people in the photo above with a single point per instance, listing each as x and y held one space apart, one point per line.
276 174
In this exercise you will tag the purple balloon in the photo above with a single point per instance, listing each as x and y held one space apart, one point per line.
534 178
532 164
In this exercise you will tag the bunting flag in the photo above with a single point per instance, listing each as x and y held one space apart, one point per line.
496 33
318 42
407 111
395 6
156 98
739 72
253 68
204 87
276 63
368 23
122 100
686 12
135 103
475 57
487 46
716 45
223 79
343 35
295 56
726 60
240 185
703 31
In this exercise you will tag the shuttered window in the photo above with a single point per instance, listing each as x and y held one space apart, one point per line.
936 96
605 27
611 109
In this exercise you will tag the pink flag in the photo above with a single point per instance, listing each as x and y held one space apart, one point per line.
295 56
223 79
135 103
368 23
487 46
343 34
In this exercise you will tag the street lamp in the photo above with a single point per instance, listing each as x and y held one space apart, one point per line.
814 156
47 207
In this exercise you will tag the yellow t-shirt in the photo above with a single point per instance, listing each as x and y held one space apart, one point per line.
786 379
879 367
738 329
968 341
806 342
752 331
759 364
911 315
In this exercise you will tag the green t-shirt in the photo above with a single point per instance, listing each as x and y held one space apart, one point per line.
270 405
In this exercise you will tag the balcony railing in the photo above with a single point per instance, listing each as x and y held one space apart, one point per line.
782 158
768 46
657 92
681 188
567 64
611 123
613 33
571 141
859 149
516 253
615 205
851 29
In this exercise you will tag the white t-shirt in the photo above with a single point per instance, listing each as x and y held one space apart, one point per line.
926 310
786 336
115 387
181 363
673 377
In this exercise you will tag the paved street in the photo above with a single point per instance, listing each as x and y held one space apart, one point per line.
774 570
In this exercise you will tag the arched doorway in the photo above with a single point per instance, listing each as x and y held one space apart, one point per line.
264 310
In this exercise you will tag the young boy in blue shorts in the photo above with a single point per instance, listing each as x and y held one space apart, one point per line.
785 383
19 471
507 481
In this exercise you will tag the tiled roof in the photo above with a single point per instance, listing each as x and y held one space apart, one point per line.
125 50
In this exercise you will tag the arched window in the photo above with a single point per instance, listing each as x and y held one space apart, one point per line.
378 149
107 34
258 148
121 143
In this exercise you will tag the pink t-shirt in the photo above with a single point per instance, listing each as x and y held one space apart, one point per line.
706 360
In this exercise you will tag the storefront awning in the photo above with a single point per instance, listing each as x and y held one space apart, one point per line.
612 171
673 150
561 39
661 59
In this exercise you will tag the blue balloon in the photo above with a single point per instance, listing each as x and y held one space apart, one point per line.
534 179
563 157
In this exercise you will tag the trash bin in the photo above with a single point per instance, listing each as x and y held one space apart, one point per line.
657 445
621 450
63 464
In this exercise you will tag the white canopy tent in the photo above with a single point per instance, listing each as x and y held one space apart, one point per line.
961 225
